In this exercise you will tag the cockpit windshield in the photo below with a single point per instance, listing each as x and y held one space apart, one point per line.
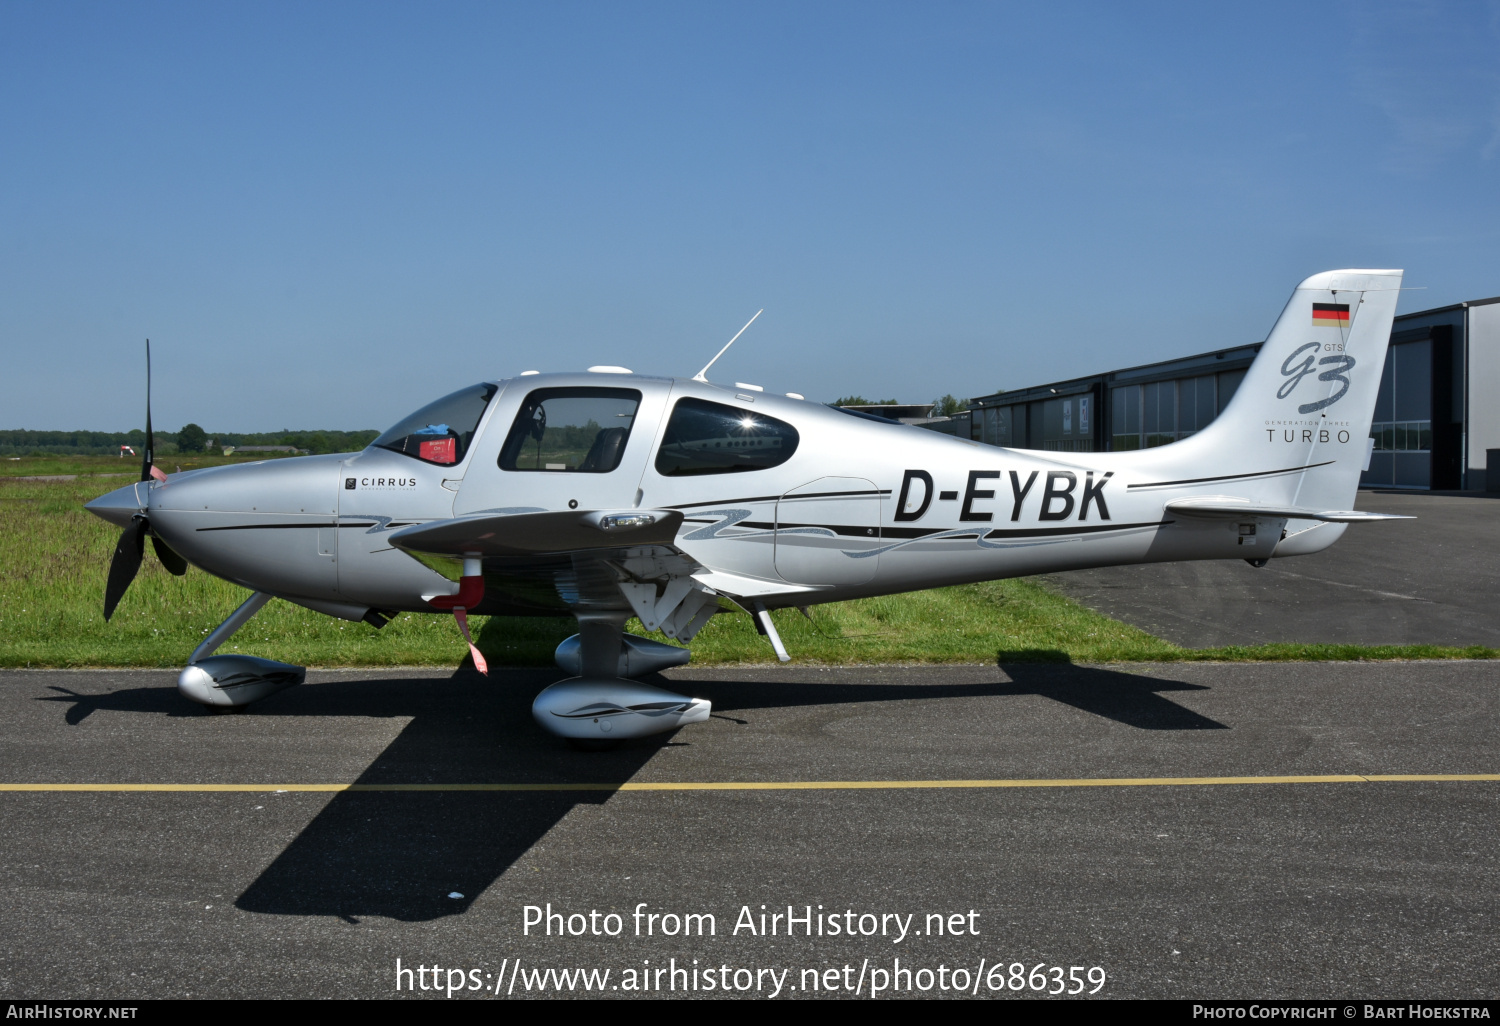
440 432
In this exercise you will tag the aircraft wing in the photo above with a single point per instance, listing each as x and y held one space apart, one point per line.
548 533
1220 508
598 559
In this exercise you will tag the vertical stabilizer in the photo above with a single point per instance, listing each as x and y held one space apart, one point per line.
1309 397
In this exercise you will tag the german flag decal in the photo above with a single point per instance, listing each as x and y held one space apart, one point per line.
1330 315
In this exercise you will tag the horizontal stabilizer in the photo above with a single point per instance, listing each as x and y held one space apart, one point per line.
532 534
1219 508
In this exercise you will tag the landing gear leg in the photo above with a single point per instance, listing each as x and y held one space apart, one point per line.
601 708
224 682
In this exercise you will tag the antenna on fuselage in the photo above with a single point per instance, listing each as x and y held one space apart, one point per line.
703 374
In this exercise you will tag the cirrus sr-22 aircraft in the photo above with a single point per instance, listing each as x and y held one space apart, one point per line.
607 495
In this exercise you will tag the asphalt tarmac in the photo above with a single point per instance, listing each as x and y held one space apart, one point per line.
1431 580
1348 889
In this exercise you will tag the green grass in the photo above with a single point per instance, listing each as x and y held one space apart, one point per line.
126 468
54 558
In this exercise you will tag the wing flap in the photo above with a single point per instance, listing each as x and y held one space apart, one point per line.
738 587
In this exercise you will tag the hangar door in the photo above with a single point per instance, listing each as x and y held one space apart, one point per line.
828 532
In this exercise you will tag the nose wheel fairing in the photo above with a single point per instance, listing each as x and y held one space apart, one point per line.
227 681
224 681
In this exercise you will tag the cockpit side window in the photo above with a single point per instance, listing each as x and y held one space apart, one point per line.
577 430
440 432
711 438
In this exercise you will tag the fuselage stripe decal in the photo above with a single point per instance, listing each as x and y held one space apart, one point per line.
1038 532
280 527
274 527
867 531
922 532
777 498
1229 477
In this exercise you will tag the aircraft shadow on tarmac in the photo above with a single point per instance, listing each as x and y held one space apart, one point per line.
1129 698
399 855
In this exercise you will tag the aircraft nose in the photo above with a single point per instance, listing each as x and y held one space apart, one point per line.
271 526
304 485
120 505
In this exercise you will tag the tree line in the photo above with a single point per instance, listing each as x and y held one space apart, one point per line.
191 438
943 406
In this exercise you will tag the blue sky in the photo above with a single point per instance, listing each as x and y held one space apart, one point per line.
324 215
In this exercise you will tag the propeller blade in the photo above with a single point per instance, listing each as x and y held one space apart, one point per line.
123 567
175 564
148 469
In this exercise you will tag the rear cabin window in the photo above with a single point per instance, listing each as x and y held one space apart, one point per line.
440 432
571 430
711 438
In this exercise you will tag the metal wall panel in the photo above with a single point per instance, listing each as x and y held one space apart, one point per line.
1483 387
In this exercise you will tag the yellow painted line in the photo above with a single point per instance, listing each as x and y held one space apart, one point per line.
1398 777
784 785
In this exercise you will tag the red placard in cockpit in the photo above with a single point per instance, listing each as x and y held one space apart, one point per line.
440 451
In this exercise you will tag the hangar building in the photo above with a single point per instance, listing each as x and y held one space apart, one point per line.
1437 413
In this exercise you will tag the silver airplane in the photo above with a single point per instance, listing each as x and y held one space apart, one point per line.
607 495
